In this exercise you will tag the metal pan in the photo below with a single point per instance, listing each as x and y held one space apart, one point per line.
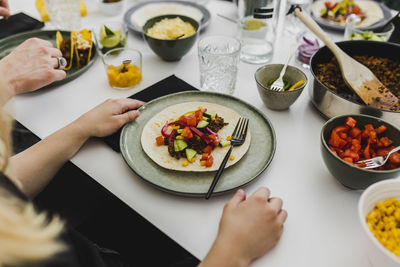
331 104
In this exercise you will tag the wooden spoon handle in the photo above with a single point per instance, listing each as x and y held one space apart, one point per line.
313 26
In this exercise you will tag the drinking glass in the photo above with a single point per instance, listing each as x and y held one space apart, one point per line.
114 36
218 58
293 24
64 14
123 67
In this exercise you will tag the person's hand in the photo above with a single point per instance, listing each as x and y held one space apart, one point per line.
31 66
4 9
248 229
108 117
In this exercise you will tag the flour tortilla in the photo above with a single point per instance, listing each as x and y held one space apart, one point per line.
160 155
372 11
142 15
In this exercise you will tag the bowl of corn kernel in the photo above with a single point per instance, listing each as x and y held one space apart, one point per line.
123 67
379 214
171 36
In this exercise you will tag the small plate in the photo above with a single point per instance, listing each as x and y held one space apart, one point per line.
387 15
7 45
128 14
196 184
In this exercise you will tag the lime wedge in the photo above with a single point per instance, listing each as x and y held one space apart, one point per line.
110 41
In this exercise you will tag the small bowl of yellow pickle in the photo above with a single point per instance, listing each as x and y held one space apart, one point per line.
379 214
123 67
171 36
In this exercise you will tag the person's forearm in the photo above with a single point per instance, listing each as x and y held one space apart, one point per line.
36 166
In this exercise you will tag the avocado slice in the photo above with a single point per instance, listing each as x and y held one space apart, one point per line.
179 145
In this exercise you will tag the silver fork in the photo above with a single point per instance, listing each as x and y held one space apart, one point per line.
238 138
279 84
378 161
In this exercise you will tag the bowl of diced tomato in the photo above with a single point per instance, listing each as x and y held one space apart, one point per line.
348 139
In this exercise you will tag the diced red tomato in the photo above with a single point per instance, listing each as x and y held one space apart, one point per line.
199 115
204 156
357 11
354 132
213 139
187 133
381 129
209 161
160 140
191 120
351 122
386 141
353 144
207 149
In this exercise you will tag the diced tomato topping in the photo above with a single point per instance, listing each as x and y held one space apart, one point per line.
199 115
354 132
207 149
160 140
351 122
386 141
381 129
353 144
213 139
187 133
191 120
204 156
357 11
209 161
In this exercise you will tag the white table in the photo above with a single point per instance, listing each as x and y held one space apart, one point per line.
322 228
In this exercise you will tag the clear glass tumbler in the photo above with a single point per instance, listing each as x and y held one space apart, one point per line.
218 59
110 35
64 14
123 67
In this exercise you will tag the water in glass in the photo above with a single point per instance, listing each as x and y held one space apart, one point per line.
218 58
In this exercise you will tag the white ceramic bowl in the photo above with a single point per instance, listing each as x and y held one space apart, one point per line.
111 9
378 255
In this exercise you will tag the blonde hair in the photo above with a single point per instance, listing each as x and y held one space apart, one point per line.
26 236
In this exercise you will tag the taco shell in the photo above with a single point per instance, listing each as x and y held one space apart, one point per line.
372 10
66 46
160 155
83 46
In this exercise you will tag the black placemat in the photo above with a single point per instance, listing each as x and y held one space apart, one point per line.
18 23
169 85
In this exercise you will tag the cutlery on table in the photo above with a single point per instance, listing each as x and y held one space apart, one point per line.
238 138
357 76
378 161
279 84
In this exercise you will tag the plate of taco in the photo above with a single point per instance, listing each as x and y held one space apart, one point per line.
332 14
77 48
180 140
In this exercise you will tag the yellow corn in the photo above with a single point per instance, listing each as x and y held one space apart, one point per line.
179 137
202 162
231 157
383 221
192 160
185 163
229 138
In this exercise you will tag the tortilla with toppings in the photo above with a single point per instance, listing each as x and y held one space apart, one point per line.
83 46
372 13
160 154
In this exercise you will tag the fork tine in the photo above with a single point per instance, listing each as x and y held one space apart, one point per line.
240 129
244 132
236 127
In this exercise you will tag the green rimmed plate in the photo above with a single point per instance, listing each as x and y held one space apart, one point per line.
196 184
10 43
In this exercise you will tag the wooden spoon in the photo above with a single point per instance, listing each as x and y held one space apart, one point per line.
357 76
